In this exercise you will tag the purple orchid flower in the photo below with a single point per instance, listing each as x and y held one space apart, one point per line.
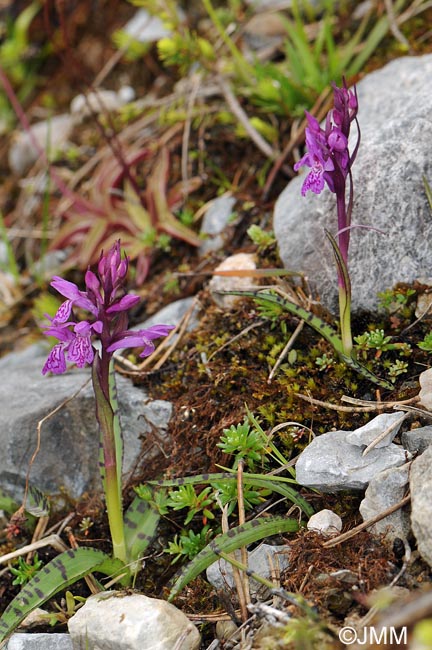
330 161
107 304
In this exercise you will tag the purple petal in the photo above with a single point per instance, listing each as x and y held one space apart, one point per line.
60 331
56 362
127 302
139 338
66 288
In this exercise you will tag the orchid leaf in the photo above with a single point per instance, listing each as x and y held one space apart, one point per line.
66 569
228 542
140 522
317 324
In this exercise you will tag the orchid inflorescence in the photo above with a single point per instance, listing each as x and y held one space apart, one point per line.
107 304
330 161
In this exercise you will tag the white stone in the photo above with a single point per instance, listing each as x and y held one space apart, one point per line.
100 101
363 436
238 262
425 393
147 28
51 135
117 621
263 560
326 522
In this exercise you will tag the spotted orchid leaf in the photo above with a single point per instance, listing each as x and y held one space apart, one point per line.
228 542
63 571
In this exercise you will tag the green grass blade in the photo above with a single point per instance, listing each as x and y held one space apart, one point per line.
428 191
141 521
64 570
229 542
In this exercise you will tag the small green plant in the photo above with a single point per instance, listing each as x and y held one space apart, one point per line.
426 344
324 362
68 607
24 571
397 368
188 544
245 443
261 238
377 340
396 300
186 497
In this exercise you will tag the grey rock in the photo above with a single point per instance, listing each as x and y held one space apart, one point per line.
56 131
214 223
32 641
394 154
330 463
260 561
417 440
384 491
68 458
131 622
421 503
326 522
147 28
172 314
363 436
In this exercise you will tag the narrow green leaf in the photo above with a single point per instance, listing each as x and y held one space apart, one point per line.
141 522
64 570
273 483
118 437
229 542
317 324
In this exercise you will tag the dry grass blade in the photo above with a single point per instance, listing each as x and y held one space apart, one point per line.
52 540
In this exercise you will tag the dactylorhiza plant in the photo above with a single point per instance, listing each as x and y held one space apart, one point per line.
107 304
330 162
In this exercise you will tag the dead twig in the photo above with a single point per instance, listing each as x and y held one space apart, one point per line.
354 531
239 113
384 433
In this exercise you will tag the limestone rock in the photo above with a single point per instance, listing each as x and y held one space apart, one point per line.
68 458
421 503
260 561
384 491
388 193
115 621
21 641
365 435
215 220
330 463
326 522
417 440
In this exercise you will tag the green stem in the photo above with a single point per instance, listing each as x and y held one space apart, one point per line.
110 463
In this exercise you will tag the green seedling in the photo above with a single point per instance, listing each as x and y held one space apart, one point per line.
24 571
